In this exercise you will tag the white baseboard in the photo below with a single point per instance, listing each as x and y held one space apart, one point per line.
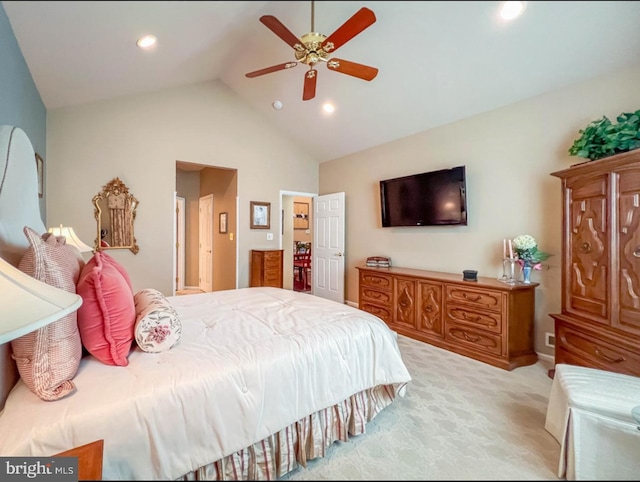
351 303
548 360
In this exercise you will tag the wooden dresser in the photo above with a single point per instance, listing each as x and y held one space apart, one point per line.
486 320
266 267
599 323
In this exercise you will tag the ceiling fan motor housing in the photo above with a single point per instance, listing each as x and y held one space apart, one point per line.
313 53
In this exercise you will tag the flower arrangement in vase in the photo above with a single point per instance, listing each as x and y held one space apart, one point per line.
529 256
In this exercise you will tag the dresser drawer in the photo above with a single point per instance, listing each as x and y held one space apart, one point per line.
489 300
272 262
376 280
272 275
379 311
478 340
369 295
600 353
483 320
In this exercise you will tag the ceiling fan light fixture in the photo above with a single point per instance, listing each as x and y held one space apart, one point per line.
146 41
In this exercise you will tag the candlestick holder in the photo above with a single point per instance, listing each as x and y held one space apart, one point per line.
509 271
512 271
505 263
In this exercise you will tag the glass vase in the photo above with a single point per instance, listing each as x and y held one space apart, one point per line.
526 272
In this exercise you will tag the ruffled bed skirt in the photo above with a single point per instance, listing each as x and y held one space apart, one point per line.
304 440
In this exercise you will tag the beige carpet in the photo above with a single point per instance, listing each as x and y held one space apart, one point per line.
460 420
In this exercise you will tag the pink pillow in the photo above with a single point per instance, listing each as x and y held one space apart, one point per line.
48 358
107 317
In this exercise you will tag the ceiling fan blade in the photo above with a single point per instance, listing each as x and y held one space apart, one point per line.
362 19
360 71
277 27
310 79
273 68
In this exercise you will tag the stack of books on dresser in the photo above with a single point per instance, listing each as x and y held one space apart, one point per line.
378 262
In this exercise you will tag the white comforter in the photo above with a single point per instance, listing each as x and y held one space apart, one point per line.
250 362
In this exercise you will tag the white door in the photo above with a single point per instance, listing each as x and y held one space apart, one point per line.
205 236
328 246
180 247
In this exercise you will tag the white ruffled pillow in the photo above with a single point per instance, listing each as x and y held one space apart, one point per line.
157 327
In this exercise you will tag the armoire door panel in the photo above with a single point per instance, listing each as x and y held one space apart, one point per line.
628 318
588 250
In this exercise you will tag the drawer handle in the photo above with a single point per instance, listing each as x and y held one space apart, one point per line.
373 294
608 358
470 338
471 298
376 280
471 318
585 248
636 253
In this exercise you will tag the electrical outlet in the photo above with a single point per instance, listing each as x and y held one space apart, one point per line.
550 340
269 236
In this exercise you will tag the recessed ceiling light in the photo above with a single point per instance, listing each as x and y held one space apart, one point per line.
146 41
512 10
328 107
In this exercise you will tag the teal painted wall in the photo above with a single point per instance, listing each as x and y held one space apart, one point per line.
20 101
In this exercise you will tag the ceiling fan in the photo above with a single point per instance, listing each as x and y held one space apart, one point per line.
315 47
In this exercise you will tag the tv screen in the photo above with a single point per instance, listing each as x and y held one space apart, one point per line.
435 198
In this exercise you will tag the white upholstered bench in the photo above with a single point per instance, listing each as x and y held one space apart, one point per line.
589 414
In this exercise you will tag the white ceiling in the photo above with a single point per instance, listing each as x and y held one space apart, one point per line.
438 61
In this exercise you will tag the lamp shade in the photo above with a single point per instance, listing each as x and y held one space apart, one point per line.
72 237
27 304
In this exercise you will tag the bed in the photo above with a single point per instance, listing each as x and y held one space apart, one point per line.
261 380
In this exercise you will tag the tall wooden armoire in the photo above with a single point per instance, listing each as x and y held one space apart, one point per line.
599 324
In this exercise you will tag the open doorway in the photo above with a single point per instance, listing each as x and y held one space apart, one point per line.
194 182
297 240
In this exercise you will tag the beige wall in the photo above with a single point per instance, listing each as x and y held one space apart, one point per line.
139 138
509 154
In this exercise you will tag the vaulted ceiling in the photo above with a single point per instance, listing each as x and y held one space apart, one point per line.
438 61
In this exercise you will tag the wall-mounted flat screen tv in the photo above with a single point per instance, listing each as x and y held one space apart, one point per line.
435 198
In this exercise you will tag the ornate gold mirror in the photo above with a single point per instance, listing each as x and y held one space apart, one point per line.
115 211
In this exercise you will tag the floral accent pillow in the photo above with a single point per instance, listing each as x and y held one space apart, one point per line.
48 358
158 327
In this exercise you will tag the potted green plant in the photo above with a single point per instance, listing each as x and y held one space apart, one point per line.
602 138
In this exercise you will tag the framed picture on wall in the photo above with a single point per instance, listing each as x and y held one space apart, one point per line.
260 215
223 223
40 168
300 215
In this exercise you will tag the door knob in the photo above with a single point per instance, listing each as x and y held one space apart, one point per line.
338 254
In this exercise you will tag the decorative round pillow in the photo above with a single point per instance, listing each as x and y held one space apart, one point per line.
158 327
